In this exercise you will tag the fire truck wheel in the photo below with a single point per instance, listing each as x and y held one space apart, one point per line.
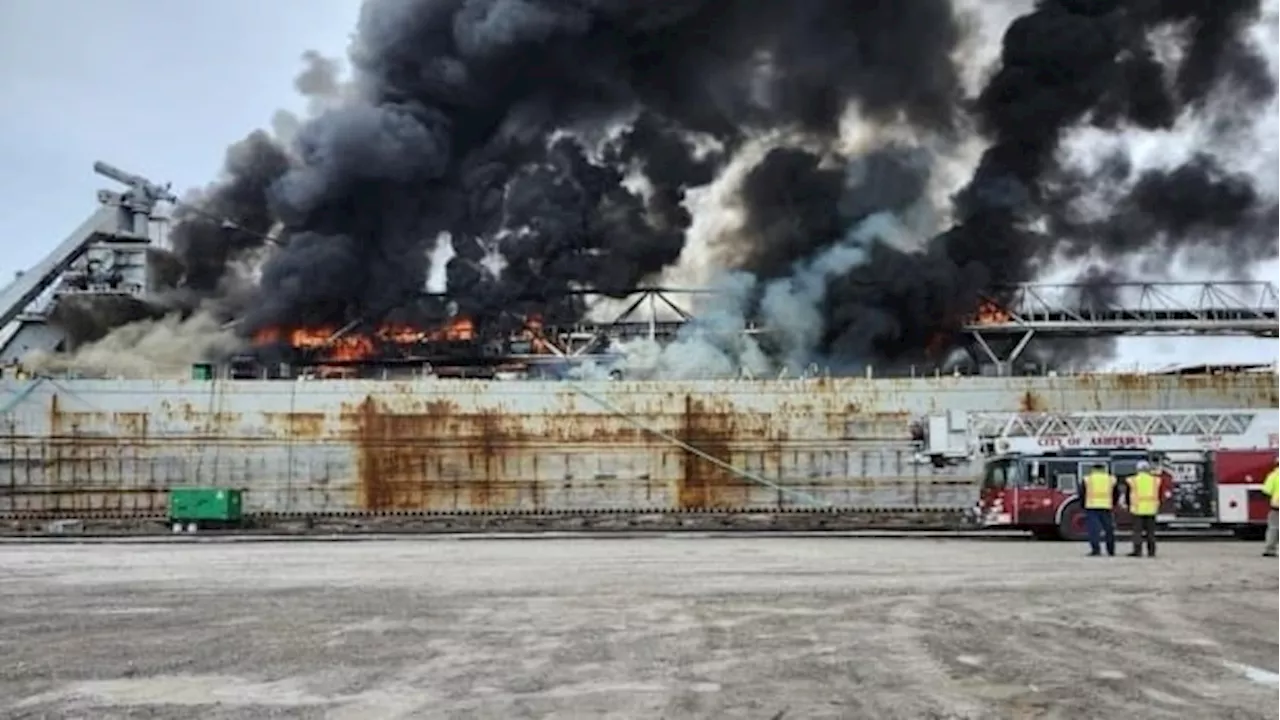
1072 526
1249 532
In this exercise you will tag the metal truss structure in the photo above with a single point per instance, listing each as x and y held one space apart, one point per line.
1159 430
656 314
1030 310
1049 428
1119 309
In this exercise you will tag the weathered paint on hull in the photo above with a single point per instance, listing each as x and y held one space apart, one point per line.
339 446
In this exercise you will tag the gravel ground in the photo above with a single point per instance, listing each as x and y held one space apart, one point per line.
662 627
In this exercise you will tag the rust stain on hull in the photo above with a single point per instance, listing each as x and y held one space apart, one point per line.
436 459
1031 402
706 484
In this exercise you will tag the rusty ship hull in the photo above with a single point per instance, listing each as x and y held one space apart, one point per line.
76 448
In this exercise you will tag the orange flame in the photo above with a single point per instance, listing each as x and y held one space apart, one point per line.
457 329
989 313
352 346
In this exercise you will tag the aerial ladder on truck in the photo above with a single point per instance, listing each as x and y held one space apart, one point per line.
1213 462
104 256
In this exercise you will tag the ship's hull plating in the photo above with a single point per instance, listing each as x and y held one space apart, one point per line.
77 446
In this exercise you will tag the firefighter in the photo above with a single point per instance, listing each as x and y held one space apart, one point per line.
1271 486
1099 500
1144 505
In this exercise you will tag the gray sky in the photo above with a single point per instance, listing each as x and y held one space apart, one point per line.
156 88
162 88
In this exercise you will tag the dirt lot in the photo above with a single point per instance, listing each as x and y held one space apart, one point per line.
665 627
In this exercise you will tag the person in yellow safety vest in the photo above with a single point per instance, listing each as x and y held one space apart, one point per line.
1099 501
1144 505
1271 486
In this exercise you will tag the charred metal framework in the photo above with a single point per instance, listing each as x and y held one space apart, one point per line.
657 314
1119 309
106 258
653 313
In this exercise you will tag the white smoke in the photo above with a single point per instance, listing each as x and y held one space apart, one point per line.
791 306
719 343
711 242
715 345
164 348
984 22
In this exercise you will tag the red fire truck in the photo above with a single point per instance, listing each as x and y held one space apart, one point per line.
1212 464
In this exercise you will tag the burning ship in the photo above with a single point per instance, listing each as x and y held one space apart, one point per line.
343 352
857 336
377 437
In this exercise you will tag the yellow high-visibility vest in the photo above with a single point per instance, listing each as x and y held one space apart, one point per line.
1271 486
1098 487
1144 494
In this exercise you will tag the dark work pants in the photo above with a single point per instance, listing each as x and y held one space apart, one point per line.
1101 525
1144 527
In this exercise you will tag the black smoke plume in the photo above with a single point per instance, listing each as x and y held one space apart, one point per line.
229 220
491 125
1068 63
484 124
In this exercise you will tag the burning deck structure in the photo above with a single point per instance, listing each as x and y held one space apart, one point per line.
360 349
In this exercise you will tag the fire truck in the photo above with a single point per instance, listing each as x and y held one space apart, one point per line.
1212 464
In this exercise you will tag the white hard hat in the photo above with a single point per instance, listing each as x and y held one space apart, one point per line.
1144 465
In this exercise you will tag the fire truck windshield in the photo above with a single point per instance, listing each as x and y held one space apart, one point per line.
1000 474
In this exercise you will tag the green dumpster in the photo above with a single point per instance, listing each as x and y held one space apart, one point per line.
218 505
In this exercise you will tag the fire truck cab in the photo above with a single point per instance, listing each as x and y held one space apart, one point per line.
1041 493
1212 464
